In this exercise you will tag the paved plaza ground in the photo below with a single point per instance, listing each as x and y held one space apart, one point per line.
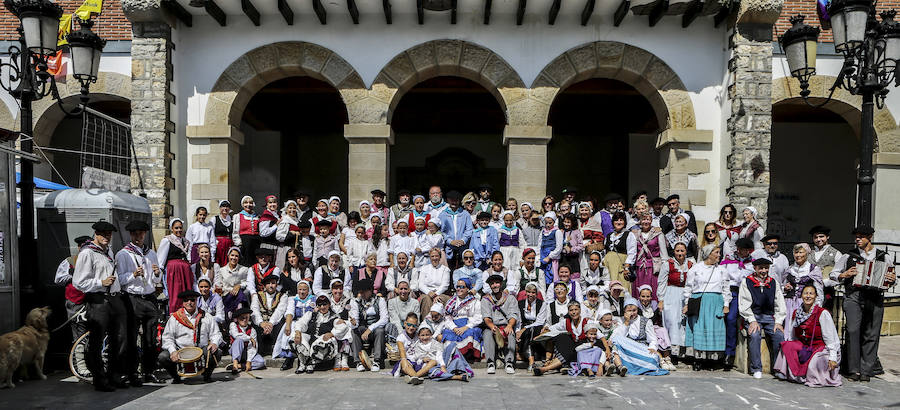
277 389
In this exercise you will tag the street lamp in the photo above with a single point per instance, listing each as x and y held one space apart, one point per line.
870 50
25 77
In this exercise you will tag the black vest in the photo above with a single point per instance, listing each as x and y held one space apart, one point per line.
362 319
314 329
220 228
537 310
326 277
621 246
763 297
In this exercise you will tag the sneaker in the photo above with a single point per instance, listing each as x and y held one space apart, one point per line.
757 375
623 371
300 368
376 368
343 364
530 368
610 370
465 377
416 381
510 369
409 379
491 368
360 368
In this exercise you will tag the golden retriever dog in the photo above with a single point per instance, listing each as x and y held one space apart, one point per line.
25 346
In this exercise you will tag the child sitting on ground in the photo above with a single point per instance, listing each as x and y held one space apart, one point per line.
606 327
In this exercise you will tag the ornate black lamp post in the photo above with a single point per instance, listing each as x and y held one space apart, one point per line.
871 50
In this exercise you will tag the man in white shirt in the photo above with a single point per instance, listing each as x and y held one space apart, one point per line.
761 305
95 275
368 316
399 307
780 263
434 279
74 297
140 281
823 254
190 326
268 306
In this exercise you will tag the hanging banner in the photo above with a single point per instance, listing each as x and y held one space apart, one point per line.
89 7
65 26
56 65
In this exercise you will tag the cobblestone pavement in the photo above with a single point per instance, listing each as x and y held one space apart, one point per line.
278 389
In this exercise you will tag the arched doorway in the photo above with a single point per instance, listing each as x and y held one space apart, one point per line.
604 140
813 162
447 131
293 139
66 135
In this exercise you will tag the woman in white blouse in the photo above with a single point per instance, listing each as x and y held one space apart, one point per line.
232 280
708 283
670 294
402 272
434 279
201 232
205 268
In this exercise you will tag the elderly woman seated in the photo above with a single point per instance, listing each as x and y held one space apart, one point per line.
317 342
462 316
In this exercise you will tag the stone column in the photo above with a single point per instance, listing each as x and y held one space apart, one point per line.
526 167
676 163
213 166
750 96
368 160
151 125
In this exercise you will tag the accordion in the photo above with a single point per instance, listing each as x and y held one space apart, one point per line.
871 274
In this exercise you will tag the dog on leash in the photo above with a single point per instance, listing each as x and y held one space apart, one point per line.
25 346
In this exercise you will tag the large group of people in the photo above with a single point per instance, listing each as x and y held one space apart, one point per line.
429 285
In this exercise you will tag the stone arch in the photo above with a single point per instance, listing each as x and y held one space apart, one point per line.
647 73
244 77
786 90
109 86
446 57
7 119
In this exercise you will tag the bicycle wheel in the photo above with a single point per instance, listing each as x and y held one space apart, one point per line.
77 364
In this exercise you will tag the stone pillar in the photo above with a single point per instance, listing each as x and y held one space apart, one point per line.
750 96
151 125
368 162
676 163
526 166
213 166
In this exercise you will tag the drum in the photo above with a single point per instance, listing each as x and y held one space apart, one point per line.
190 362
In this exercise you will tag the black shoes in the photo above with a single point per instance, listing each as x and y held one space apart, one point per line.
119 382
177 380
151 378
288 364
135 380
729 363
864 378
853 377
103 385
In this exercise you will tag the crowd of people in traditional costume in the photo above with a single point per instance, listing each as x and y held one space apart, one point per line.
430 285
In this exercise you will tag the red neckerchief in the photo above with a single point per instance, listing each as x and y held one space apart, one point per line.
95 248
736 229
262 275
757 283
182 317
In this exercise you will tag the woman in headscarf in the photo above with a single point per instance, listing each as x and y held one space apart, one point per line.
287 232
297 306
567 333
462 315
268 224
650 309
245 231
551 247
616 245
173 253
751 228
573 245
525 212
529 272
232 279
801 273
323 215
646 251
707 282
222 229
812 352
681 234
200 232
670 295
365 212
729 230
633 339
512 242
334 210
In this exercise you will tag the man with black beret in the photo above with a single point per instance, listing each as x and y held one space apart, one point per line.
738 269
368 317
268 305
95 275
762 307
863 305
190 326
673 209
140 280
74 297
780 263
823 254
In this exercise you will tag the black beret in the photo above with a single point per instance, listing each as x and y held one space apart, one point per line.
188 294
485 186
745 243
820 229
863 230
455 195
242 311
612 197
301 193
103 226
495 278
304 224
137 226
375 192
264 251
657 200
761 262
82 239
365 284
404 192
324 222
270 278
483 215
570 190
673 196
771 236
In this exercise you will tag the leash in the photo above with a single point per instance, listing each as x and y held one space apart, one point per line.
80 314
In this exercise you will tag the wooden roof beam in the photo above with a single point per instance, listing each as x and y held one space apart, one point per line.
354 12
659 10
420 11
453 4
320 11
588 10
621 12
388 17
554 11
520 12
691 13
723 14
251 12
487 11
179 12
285 9
215 12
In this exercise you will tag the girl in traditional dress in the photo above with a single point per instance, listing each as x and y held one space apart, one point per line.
322 215
681 234
511 241
606 326
173 253
334 211
232 280
646 250
705 331
403 271
634 339
204 268
287 232
297 306
650 309
729 230
568 332
751 228
401 242
496 216
200 232
357 247
245 231
295 270
811 353
469 271
801 273
616 245
530 310
594 274
382 245
222 230
462 315
431 239
591 306
670 298
529 272
551 247
573 245
268 224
